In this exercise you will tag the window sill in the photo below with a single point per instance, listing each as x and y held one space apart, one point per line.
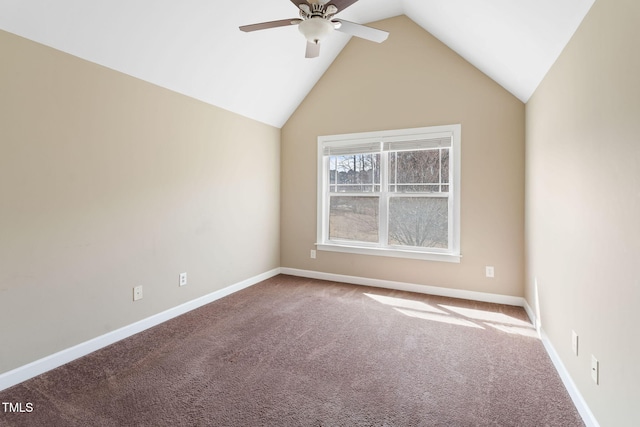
394 253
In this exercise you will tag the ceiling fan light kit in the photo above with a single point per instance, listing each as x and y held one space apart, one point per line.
315 29
316 23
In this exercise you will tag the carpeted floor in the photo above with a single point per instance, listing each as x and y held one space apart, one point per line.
299 352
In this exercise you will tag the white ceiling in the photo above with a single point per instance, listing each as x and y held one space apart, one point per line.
194 47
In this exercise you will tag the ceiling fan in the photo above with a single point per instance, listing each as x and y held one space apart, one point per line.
317 21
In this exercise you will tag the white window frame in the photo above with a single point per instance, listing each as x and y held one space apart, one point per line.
452 254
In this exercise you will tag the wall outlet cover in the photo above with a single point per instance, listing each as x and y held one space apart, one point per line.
489 271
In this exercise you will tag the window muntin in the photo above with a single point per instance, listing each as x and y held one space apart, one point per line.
393 191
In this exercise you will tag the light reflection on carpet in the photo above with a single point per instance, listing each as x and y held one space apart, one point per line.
459 316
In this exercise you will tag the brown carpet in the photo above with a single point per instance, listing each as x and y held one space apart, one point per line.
301 352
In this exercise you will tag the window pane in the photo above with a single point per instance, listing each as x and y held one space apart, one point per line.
419 221
353 218
354 173
445 166
412 171
332 174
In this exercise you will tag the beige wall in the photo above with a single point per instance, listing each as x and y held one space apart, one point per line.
413 80
107 182
583 207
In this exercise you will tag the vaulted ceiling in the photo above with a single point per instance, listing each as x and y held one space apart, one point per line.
194 47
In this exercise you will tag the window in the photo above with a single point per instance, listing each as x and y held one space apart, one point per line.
391 193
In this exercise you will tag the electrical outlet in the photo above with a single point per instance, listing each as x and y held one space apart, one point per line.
313 254
183 279
595 370
489 271
137 293
574 342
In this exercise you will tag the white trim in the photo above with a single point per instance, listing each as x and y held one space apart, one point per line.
393 253
581 405
454 132
409 287
530 313
30 370
390 135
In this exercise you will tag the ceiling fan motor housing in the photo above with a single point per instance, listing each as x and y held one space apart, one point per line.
315 29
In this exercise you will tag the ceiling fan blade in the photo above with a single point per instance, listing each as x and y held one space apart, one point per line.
340 4
271 24
299 2
313 50
362 31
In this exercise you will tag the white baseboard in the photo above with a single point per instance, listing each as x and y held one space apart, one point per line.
409 287
530 313
581 405
23 373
